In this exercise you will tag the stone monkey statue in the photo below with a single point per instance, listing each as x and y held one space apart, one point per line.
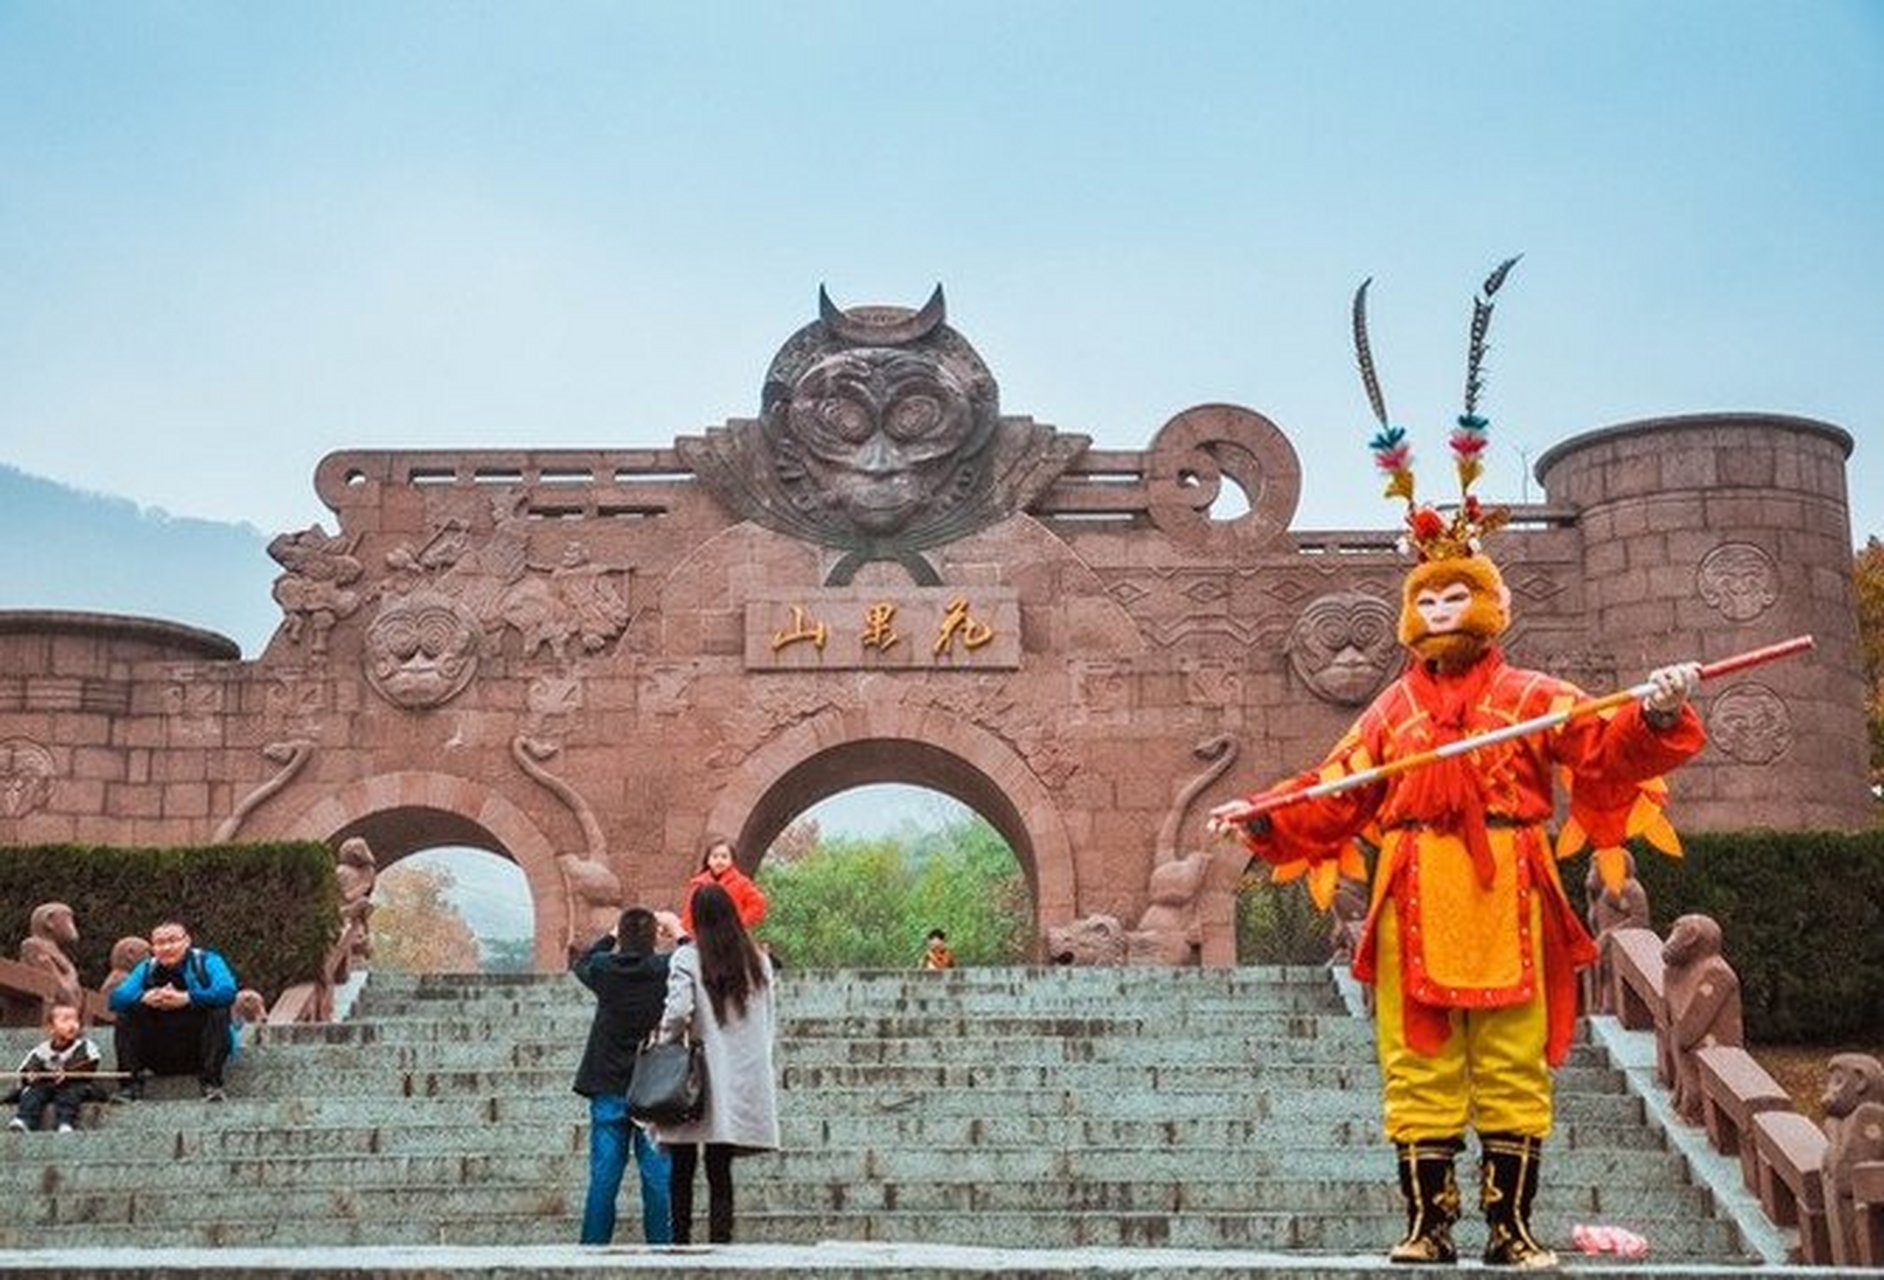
1624 908
1854 1130
50 931
1703 995
357 872
127 953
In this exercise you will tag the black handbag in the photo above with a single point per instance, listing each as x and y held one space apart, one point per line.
669 1083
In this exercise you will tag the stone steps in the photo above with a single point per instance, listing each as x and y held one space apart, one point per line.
1345 1112
554 1218
485 1190
1041 1108
826 1260
375 1126
334 1160
269 1079
436 1045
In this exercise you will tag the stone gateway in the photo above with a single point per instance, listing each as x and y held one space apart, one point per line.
584 660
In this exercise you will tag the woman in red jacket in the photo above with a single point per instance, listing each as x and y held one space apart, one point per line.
717 866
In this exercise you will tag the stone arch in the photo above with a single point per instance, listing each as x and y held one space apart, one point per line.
400 813
843 748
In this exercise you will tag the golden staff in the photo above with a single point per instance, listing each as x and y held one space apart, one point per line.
67 1075
1537 724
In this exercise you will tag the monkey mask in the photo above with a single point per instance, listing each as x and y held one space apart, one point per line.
1483 620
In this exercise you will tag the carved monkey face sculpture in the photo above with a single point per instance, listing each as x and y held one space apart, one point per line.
53 921
1851 1079
128 953
1739 580
355 852
421 649
1693 938
1342 646
878 432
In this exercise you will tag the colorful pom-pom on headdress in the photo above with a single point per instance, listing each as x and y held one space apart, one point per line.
1433 534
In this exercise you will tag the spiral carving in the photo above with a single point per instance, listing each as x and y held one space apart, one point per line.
1192 456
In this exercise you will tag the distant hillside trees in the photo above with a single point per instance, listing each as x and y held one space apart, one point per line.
845 902
1868 577
416 929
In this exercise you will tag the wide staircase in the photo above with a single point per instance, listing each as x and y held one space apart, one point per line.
1018 1108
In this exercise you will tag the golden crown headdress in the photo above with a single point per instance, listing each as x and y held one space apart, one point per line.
1433 534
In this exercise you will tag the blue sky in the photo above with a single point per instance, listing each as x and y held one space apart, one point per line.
234 237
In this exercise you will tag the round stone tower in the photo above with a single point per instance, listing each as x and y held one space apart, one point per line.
1708 534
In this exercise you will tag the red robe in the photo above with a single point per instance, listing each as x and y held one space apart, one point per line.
1462 843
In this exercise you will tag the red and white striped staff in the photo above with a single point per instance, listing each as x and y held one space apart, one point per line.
1537 724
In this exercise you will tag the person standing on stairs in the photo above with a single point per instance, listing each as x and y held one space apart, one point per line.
720 989
1470 940
628 974
719 865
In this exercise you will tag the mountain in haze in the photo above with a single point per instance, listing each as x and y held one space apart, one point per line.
102 554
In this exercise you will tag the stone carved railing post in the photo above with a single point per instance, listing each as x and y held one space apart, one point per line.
1626 907
127 953
1703 995
1854 1131
357 873
50 932
1826 1187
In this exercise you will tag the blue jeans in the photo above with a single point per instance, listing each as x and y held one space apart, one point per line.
611 1136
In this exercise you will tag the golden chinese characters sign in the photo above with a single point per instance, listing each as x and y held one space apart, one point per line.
906 628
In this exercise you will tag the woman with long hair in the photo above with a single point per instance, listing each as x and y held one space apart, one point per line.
721 987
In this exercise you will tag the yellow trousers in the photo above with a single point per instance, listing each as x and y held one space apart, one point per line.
1490 1076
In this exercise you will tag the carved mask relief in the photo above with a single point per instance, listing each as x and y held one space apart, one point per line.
1739 580
880 433
874 435
422 649
26 772
1343 646
1750 722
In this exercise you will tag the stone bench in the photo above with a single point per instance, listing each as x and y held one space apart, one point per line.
1734 1089
1791 1151
1867 1188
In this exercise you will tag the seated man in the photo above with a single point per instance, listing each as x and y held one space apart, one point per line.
173 1014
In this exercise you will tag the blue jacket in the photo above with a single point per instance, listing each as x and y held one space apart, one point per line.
208 977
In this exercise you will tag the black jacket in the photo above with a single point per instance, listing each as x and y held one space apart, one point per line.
630 991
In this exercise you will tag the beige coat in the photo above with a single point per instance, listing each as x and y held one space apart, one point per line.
742 1087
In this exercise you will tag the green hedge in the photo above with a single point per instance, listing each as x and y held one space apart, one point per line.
1802 922
272 910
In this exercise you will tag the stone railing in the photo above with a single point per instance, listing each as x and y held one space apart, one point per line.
1827 1184
314 1001
26 990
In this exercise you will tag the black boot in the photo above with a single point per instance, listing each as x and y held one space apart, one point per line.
1431 1191
1507 1188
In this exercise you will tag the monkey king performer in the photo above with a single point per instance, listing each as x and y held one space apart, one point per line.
1469 940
